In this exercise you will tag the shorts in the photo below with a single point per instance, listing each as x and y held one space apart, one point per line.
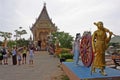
19 59
5 56
24 55
31 57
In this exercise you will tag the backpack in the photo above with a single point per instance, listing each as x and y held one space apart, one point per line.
4 51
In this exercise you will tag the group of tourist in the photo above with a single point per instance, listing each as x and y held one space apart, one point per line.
18 55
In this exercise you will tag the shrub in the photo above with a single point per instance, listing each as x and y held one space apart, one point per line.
66 56
65 39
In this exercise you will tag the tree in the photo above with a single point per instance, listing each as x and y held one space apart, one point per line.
0 43
16 35
19 33
18 43
5 35
22 42
11 44
65 39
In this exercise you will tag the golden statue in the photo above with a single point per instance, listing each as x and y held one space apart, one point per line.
100 41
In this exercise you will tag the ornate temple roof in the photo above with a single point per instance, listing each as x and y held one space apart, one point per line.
44 20
44 14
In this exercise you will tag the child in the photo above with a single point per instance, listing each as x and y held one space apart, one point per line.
24 55
31 54
19 58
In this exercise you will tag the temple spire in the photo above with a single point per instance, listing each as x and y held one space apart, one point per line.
44 3
44 14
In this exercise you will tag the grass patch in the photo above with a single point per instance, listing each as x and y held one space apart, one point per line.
69 60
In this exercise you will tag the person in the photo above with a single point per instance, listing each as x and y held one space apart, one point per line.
31 55
100 44
14 57
51 49
1 57
114 55
76 49
19 58
24 55
39 45
5 56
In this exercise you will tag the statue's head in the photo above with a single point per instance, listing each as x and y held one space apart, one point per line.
78 36
99 25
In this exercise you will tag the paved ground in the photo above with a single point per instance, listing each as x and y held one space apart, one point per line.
44 68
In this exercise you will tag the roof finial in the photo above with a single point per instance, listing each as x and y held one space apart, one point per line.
44 3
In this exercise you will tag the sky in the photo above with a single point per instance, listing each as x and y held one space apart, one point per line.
72 16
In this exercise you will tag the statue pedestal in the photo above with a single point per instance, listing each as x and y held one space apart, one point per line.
83 73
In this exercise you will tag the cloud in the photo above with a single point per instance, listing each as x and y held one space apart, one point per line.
69 15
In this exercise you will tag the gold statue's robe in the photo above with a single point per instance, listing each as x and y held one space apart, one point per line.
99 46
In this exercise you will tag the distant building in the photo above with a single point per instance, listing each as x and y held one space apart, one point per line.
42 28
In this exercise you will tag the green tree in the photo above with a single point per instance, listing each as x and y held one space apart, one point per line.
20 32
65 39
0 43
18 43
22 42
11 43
5 35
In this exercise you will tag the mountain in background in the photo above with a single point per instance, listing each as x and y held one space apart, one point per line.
115 39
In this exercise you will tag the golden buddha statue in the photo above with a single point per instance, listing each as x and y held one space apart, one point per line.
100 41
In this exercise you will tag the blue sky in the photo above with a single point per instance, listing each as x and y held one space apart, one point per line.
71 16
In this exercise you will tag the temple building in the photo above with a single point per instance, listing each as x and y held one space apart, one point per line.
42 28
